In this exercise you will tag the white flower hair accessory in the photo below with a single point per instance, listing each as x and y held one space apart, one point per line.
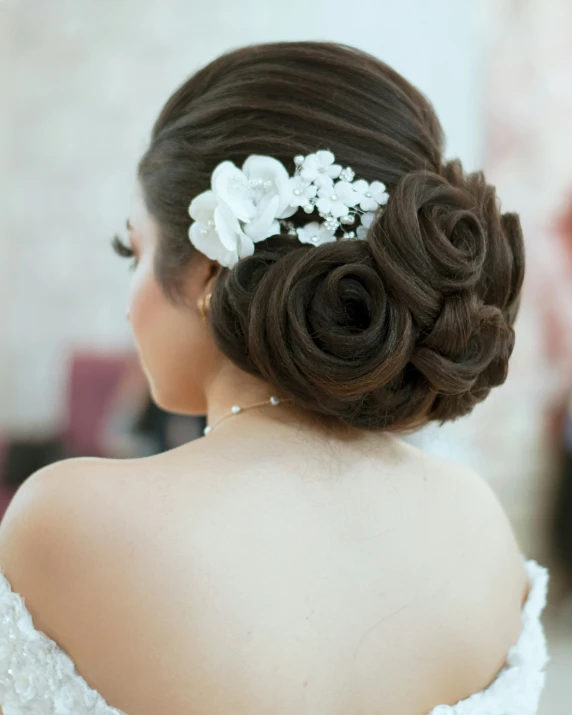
248 205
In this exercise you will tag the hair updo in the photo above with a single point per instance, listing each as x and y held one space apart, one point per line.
410 325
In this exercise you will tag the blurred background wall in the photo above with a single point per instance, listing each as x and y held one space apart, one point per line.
81 84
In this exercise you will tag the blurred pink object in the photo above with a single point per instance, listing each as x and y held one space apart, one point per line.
93 381
564 230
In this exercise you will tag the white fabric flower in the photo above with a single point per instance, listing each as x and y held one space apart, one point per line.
257 195
242 208
302 191
366 221
216 232
337 199
315 233
371 196
320 164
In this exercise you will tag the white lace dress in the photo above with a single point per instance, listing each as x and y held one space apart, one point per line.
38 678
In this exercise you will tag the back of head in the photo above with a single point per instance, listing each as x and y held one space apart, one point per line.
410 325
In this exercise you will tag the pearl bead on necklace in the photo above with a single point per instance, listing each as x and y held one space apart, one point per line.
237 409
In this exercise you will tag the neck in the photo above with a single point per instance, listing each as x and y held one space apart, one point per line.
231 386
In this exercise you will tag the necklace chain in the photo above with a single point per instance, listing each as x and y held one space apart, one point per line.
237 409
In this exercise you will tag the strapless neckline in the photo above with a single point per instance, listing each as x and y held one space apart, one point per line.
37 675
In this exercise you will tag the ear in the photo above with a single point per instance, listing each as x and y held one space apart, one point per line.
202 276
215 271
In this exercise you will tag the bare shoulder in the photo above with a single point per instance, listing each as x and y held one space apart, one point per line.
79 516
470 511
38 506
72 517
481 566
65 541
481 520
57 498
49 528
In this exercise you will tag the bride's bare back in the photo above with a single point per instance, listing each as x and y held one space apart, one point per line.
284 574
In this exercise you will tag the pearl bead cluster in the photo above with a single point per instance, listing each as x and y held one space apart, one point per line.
256 184
330 222
206 231
237 183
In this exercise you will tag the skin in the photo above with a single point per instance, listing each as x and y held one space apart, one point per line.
272 566
185 370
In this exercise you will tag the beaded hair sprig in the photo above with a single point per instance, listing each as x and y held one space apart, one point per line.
250 205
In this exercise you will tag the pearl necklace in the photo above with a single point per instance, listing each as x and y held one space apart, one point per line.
237 409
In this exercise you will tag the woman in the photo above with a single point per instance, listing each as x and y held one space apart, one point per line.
311 274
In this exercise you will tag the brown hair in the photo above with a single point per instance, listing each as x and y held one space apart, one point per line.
410 325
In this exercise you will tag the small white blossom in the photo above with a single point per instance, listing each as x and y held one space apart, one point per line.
337 200
371 196
302 191
315 233
318 164
366 221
